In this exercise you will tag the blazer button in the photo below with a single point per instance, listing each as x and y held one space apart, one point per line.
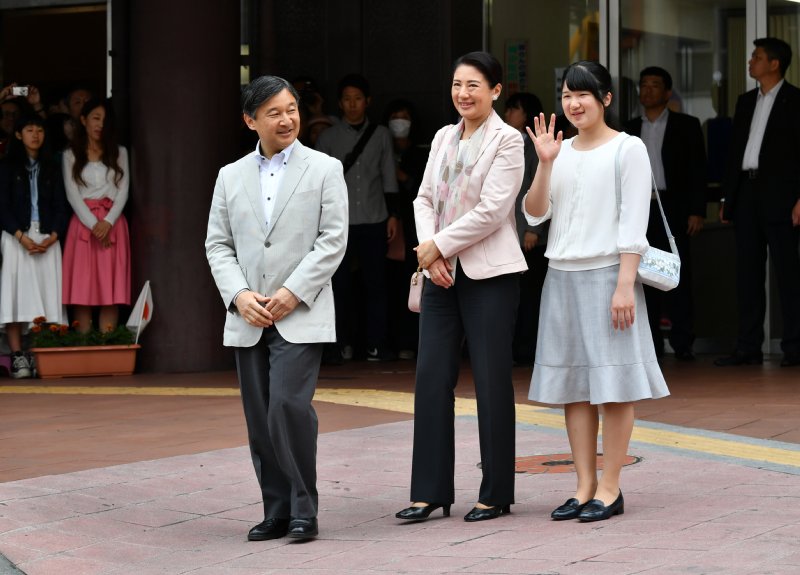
267 244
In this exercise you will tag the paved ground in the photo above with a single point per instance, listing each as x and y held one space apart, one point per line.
699 501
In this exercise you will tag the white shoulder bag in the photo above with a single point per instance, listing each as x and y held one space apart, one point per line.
657 268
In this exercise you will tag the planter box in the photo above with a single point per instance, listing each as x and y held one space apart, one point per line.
85 361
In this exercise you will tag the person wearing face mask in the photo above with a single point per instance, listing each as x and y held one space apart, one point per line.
400 118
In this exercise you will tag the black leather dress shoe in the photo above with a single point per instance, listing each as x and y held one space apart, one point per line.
740 358
790 359
420 513
684 355
478 514
272 528
596 510
569 510
303 528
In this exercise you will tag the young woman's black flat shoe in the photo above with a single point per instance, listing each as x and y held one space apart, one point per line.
596 510
570 510
419 513
478 514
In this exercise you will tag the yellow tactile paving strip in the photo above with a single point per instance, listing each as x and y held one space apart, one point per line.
403 402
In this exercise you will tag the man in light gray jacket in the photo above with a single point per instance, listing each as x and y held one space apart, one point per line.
277 231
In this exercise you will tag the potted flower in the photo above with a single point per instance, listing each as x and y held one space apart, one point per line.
62 351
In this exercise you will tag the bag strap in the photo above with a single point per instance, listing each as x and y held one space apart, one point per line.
618 188
351 158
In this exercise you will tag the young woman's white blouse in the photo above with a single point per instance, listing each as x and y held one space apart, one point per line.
587 231
100 184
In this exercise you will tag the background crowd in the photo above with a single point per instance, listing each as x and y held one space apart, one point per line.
64 186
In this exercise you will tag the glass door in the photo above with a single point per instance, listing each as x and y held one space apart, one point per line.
536 40
783 21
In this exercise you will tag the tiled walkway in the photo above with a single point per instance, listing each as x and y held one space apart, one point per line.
189 514
699 501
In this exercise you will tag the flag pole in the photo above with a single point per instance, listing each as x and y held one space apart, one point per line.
141 313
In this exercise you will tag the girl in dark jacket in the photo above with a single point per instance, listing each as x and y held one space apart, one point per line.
33 215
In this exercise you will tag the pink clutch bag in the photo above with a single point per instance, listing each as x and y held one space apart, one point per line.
415 290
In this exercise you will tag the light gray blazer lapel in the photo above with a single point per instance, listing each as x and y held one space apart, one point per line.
297 166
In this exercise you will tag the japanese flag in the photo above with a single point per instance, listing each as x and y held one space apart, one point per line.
142 312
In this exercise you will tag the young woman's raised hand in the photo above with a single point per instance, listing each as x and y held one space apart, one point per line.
544 138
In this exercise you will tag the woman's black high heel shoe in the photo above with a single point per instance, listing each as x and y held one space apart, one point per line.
596 510
478 514
419 513
570 510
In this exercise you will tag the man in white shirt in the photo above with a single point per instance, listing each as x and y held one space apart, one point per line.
277 231
677 155
762 198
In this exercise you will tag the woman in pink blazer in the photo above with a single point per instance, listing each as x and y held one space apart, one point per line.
470 253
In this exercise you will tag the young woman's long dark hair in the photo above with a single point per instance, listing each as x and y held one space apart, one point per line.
80 143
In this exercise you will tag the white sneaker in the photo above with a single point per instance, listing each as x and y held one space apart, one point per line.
20 367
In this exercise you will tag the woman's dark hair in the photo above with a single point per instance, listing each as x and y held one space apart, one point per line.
18 156
591 77
485 63
396 106
80 143
262 89
528 103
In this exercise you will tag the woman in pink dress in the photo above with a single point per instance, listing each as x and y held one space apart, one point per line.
97 251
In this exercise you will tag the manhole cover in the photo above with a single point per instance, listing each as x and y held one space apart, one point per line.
558 463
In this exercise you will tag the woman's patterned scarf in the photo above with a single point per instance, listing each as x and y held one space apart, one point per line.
454 174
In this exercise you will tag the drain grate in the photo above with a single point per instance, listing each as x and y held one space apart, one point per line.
559 463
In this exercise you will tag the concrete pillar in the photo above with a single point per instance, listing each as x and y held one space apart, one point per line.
184 125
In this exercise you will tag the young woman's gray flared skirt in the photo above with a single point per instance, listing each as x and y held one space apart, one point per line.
580 356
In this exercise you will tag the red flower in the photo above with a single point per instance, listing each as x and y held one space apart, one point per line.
39 320
54 327
76 324
63 329
36 328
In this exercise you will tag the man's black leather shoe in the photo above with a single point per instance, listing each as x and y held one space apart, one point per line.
740 358
303 528
272 528
790 359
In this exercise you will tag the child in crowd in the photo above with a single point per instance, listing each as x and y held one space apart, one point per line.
34 215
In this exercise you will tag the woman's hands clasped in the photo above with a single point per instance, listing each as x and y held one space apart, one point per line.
430 258
546 142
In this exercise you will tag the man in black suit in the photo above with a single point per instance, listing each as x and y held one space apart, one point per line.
677 156
762 198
